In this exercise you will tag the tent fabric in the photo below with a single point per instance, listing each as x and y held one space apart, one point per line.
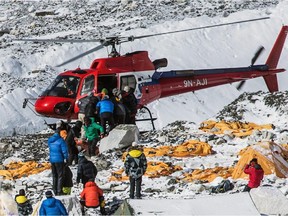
209 174
20 169
155 169
186 149
238 129
272 157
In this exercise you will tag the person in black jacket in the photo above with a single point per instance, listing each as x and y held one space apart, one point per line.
135 166
90 108
67 180
130 101
119 108
74 132
23 204
86 170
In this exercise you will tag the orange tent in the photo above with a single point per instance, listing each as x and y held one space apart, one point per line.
20 169
187 149
209 174
272 157
155 169
238 129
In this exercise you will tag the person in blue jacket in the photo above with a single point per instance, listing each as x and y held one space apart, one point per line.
58 153
52 206
105 109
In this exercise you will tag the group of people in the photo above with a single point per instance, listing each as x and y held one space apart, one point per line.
63 151
112 108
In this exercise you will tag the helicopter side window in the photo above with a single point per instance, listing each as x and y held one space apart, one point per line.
71 84
65 86
128 81
88 85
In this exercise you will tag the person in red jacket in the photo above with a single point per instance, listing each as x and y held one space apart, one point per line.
92 197
255 172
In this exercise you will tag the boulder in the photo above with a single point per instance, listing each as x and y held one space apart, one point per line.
269 201
120 137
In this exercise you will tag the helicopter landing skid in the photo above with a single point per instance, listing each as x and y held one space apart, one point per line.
147 119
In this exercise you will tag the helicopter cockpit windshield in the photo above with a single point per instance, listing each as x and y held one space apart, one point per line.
63 86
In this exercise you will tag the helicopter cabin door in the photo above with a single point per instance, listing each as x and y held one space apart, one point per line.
107 81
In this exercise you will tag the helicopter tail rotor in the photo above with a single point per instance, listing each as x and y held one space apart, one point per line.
257 54
253 60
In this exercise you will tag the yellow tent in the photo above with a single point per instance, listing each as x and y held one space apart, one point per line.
208 174
238 129
20 169
190 148
272 157
155 169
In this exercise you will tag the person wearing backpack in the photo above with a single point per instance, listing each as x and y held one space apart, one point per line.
67 180
23 204
86 170
256 174
135 166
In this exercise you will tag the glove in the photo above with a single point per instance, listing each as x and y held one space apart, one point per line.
102 204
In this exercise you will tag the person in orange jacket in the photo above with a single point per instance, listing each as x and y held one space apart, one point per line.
92 197
255 172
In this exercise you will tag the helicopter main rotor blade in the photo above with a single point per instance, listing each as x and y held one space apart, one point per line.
81 55
197 28
58 40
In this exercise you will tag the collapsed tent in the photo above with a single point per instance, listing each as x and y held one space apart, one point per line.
20 169
155 169
208 174
272 157
186 149
238 129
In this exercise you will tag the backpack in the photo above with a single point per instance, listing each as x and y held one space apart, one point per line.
224 186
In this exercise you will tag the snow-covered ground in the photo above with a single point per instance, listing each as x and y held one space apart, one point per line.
27 69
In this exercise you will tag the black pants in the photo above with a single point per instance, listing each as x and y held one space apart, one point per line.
135 183
107 117
57 175
102 209
246 189
72 157
92 147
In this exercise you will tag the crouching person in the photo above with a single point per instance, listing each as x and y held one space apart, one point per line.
52 206
92 197
23 204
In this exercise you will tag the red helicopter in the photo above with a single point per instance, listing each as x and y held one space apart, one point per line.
137 71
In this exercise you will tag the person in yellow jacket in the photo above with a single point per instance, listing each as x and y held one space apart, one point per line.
135 166
23 204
